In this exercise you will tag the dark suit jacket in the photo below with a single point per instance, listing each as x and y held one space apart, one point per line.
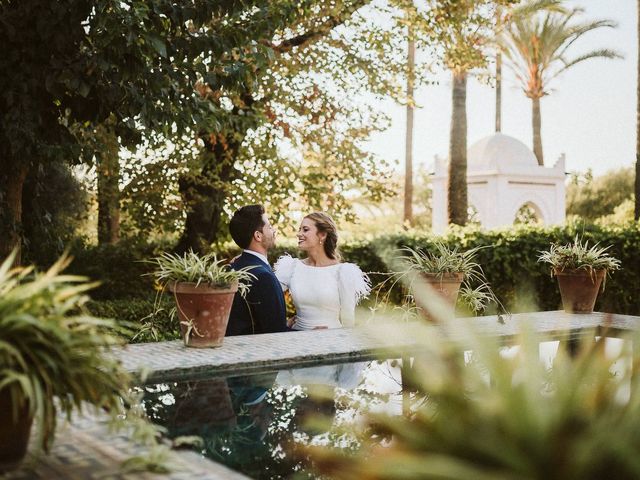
263 309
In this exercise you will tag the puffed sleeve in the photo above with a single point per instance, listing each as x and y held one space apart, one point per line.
353 285
283 270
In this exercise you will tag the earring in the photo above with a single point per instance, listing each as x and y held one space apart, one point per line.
321 242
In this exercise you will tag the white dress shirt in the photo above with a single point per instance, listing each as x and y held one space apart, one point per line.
259 255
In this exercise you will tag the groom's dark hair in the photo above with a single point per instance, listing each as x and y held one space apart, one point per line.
245 222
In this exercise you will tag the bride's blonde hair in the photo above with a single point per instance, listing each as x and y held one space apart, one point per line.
325 224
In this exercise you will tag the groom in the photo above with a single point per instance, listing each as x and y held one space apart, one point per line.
263 308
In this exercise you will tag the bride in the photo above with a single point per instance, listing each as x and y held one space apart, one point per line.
325 291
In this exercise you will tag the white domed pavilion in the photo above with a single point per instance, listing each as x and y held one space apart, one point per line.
503 178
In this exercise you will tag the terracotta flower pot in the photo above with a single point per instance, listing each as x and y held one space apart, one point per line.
203 311
579 289
446 286
14 435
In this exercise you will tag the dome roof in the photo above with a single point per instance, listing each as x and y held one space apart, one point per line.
499 151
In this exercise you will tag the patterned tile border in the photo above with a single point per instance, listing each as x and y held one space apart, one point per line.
85 449
165 361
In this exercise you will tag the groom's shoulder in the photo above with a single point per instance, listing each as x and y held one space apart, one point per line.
248 260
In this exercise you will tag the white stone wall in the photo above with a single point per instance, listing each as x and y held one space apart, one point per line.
500 181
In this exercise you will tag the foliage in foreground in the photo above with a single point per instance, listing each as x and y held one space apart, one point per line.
55 359
504 415
54 355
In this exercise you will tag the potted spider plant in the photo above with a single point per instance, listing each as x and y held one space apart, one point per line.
54 356
581 271
203 288
449 273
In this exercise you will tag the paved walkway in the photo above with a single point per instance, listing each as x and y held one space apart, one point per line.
245 354
87 450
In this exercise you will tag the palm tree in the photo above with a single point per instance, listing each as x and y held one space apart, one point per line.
408 174
464 42
536 47
457 187
464 31
503 17
637 186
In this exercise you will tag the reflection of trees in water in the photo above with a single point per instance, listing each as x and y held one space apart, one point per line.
262 429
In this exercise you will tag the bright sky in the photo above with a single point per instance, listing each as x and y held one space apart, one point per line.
590 115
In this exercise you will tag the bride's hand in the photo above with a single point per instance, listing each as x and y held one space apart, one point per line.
291 321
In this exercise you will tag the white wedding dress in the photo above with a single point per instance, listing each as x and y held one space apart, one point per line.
323 296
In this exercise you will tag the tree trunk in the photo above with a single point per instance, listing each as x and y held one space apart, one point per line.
637 184
408 172
537 130
202 201
499 25
457 188
108 171
204 195
11 186
499 90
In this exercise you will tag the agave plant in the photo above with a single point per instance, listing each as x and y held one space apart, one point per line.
579 256
54 357
193 268
503 416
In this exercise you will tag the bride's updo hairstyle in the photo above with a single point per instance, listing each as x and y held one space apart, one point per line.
325 224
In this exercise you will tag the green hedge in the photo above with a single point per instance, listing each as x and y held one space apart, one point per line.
509 262
119 268
136 312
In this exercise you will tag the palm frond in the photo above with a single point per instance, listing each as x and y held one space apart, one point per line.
536 46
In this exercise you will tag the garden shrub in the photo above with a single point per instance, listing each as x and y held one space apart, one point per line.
136 313
509 262
523 284
119 268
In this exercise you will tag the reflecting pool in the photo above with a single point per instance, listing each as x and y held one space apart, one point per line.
260 424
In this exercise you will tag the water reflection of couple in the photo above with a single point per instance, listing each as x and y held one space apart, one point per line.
324 290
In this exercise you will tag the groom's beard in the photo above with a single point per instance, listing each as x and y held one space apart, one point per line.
274 237
270 243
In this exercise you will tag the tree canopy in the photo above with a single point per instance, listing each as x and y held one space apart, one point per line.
188 109
79 62
590 197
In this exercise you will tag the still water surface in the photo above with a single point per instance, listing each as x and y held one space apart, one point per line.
260 424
